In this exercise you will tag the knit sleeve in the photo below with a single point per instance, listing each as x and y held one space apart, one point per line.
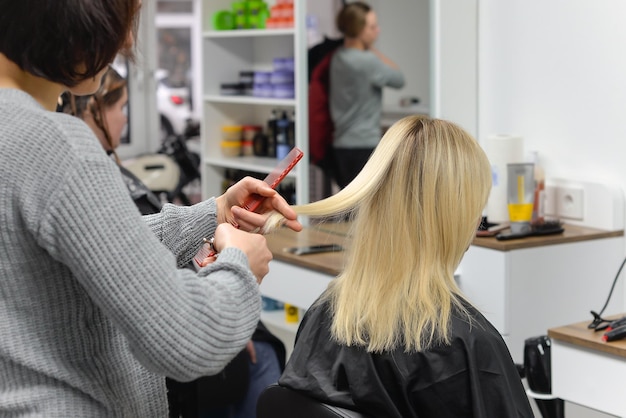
178 323
181 228
382 75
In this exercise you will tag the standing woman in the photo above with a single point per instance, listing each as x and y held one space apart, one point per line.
358 74
95 309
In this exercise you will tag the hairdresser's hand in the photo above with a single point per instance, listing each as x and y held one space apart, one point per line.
229 206
253 245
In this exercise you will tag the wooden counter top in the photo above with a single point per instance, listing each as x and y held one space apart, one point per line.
327 233
571 234
337 233
578 334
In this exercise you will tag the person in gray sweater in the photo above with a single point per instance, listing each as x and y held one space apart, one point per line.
95 308
358 74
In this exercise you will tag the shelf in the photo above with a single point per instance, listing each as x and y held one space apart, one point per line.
277 319
256 164
244 33
216 98
224 54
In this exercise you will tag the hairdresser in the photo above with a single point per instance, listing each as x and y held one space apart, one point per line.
358 74
232 393
95 308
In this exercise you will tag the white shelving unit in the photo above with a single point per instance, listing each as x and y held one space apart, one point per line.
224 55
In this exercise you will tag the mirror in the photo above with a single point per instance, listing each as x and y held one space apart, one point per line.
435 44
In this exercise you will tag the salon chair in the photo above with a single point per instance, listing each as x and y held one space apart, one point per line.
281 402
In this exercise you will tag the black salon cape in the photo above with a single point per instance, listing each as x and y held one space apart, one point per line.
473 377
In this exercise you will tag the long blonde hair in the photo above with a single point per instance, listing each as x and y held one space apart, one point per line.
415 206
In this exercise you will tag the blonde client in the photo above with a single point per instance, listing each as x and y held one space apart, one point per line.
393 336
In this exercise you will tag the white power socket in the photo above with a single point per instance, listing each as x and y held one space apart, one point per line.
570 202
582 203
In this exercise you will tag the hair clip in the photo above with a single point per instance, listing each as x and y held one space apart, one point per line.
598 323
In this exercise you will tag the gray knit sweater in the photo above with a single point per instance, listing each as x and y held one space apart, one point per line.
357 78
93 309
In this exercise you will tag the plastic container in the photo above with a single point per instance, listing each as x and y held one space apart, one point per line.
261 77
289 64
262 90
240 8
223 20
257 14
246 77
271 23
281 77
256 7
249 131
231 148
247 148
283 91
232 89
231 132
283 64
520 192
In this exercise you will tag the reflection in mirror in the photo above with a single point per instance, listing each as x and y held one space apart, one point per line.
404 37
174 80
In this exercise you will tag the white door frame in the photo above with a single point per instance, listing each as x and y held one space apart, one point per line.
143 120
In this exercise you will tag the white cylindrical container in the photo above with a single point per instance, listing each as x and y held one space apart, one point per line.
501 150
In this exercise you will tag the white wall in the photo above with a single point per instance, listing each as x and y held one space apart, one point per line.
405 39
325 11
453 62
555 72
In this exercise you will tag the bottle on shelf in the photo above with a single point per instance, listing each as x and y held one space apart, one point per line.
539 195
291 133
281 135
271 134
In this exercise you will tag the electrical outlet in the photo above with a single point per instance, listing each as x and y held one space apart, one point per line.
570 203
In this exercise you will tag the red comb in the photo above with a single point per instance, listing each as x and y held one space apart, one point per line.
273 179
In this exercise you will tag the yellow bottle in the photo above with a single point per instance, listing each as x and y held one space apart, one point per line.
291 313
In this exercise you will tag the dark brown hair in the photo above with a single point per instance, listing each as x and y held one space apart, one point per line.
66 41
351 19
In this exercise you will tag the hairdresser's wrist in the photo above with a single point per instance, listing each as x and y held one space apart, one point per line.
221 211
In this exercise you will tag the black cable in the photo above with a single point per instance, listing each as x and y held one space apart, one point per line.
597 317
